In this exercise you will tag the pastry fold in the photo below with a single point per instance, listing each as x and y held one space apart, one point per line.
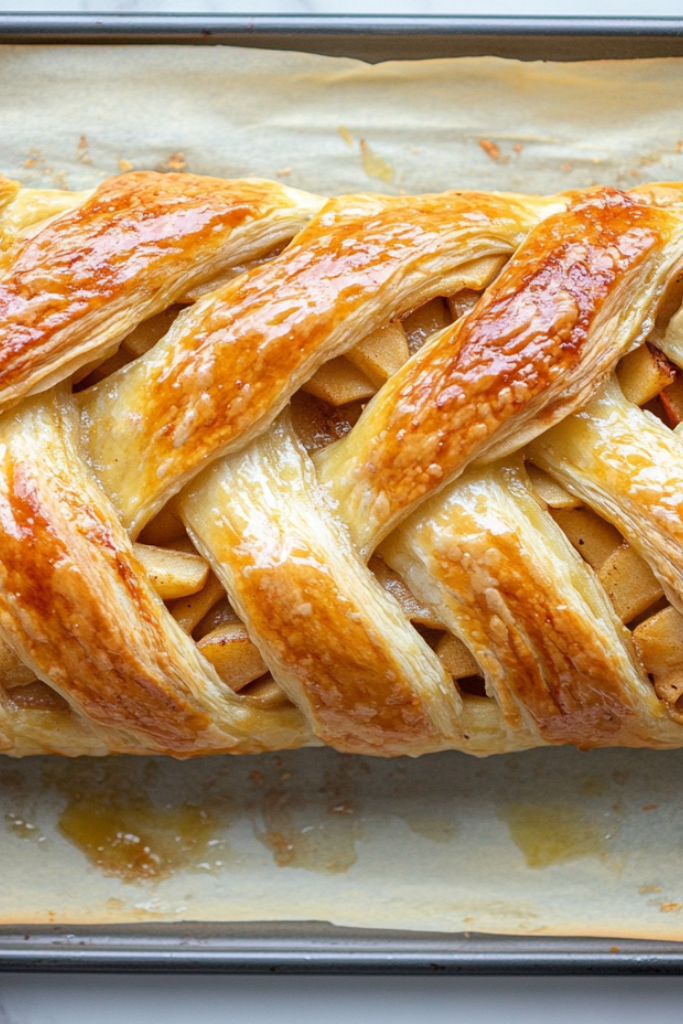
153 333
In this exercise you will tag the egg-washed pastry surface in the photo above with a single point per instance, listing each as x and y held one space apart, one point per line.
393 474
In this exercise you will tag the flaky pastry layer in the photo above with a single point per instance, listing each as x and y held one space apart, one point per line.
279 470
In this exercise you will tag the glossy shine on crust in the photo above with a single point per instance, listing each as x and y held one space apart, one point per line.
74 289
231 363
544 335
277 283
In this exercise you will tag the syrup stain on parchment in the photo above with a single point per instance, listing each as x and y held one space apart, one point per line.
374 165
131 838
21 819
112 817
432 826
552 834
316 831
135 821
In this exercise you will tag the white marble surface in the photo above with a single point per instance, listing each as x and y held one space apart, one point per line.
85 999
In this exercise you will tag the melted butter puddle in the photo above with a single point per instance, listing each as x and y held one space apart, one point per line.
137 841
552 835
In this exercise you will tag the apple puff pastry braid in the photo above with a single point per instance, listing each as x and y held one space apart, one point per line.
393 474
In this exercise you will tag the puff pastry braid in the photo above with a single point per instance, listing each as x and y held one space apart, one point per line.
394 474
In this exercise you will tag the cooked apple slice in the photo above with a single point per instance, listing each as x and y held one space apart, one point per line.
456 658
630 583
659 642
235 658
381 354
549 491
425 321
593 537
339 382
643 373
189 612
173 574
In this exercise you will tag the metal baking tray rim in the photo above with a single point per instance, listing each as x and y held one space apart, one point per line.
317 947
367 37
312 947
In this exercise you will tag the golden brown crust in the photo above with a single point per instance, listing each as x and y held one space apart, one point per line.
509 584
342 650
78 605
531 337
229 365
8 190
289 536
131 248
629 467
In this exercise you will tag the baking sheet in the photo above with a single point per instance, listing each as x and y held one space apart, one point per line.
550 842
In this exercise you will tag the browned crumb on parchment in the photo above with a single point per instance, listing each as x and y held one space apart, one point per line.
125 166
176 162
490 148
34 158
82 153
35 162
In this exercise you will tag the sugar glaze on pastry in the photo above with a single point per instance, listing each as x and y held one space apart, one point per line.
393 474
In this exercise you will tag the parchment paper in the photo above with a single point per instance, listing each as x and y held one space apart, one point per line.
549 842
69 115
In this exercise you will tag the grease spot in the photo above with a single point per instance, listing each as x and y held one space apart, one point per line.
551 834
593 786
345 134
314 831
374 165
23 828
432 826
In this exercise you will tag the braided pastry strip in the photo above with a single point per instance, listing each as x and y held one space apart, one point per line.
429 371
335 640
230 364
125 252
581 289
508 583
